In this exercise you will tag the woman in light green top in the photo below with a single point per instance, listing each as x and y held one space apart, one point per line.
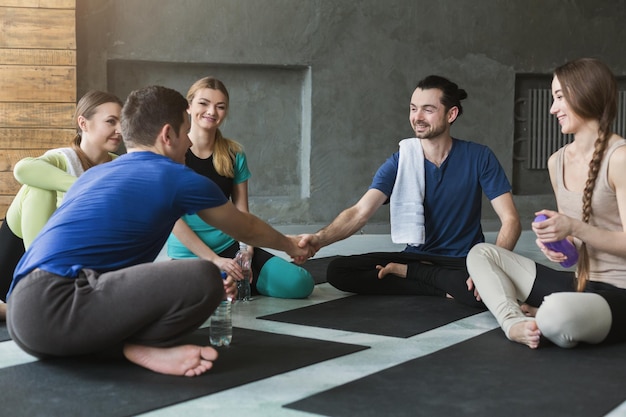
46 179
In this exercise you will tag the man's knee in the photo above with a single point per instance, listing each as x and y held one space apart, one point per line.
201 275
335 274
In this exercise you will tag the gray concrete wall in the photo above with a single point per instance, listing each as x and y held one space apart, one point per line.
320 89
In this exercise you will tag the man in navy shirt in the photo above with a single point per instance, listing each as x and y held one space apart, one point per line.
434 185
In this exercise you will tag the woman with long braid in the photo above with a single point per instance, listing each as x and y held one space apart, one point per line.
588 176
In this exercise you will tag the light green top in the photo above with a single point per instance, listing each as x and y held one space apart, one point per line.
45 180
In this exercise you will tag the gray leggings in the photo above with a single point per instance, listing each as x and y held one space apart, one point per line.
152 304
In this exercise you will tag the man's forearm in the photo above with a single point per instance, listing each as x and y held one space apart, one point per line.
245 227
344 225
509 234
263 235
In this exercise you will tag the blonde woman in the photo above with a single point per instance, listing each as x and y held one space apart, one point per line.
224 161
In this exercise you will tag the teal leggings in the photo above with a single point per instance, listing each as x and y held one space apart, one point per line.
274 276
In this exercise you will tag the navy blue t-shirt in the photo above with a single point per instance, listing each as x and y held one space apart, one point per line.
453 196
117 215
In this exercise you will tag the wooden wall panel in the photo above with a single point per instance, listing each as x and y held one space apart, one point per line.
46 4
8 158
37 82
5 202
11 138
37 57
37 28
8 184
47 115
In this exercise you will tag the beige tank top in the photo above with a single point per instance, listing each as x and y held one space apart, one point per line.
603 267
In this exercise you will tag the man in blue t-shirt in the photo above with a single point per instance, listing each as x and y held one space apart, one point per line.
434 185
88 281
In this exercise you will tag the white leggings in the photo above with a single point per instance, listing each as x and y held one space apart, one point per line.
504 278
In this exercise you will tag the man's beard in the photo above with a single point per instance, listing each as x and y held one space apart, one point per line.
430 133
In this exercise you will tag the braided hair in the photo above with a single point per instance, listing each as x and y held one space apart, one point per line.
590 89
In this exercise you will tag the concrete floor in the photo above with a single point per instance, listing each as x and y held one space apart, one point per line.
267 397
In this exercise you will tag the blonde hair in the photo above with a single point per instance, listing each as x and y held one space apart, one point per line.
590 89
224 150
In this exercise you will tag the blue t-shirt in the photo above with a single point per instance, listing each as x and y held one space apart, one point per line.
117 215
453 196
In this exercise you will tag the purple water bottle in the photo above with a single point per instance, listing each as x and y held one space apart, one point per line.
564 246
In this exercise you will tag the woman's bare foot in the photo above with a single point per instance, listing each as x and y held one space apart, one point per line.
525 332
3 311
529 310
392 268
187 360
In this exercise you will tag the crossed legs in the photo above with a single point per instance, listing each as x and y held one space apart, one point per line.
145 310
530 300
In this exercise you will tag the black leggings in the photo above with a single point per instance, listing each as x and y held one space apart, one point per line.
11 251
259 258
549 281
426 275
616 298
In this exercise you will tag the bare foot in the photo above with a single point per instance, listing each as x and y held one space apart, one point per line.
3 311
529 310
525 332
187 360
392 268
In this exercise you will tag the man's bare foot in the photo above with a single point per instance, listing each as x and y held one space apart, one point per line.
187 360
525 332
529 310
3 311
399 270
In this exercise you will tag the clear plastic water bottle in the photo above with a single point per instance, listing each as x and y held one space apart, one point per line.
564 246
242 258
221 330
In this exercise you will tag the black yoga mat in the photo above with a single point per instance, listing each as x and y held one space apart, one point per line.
317 268
486 376
4 333
115 387
397 316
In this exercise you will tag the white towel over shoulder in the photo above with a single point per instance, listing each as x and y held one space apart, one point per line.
407 198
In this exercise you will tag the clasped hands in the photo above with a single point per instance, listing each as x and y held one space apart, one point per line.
305 246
